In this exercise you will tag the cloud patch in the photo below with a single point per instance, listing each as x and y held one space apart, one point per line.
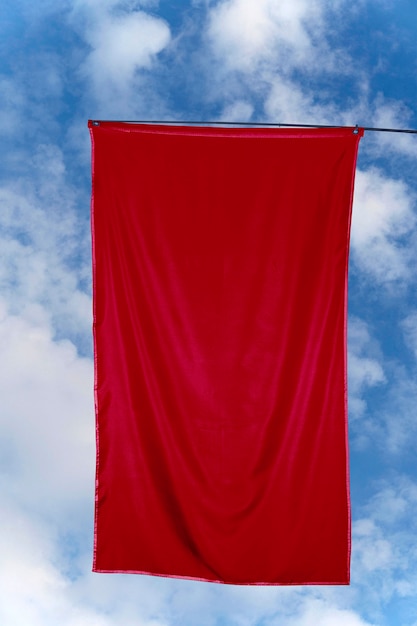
47 416
365 369
382 223
248 34
40 237
409 327
122 44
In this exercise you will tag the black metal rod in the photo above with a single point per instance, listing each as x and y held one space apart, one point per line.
264 124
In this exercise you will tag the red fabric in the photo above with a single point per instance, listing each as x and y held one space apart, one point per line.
220 272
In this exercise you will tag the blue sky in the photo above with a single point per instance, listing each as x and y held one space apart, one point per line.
306 61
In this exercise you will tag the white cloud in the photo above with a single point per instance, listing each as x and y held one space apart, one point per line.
395 502
389 113
122 44
40 238
118 67
374 551
365 369
382 221
321 612
395 425
27 578
409 326
390 424
47 416
384 557
238 111
35 591
125 43
288 102
245 33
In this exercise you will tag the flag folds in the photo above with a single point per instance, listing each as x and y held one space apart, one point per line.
220 294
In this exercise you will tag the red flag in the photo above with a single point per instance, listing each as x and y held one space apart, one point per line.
220 278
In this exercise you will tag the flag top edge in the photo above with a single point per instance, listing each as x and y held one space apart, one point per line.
215 131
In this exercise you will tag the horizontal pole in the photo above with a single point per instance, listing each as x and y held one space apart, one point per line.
264 124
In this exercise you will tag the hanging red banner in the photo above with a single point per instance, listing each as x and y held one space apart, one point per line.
220 293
